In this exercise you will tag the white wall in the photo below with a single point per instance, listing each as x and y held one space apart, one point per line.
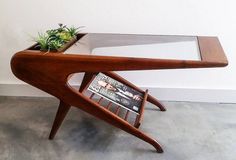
19 20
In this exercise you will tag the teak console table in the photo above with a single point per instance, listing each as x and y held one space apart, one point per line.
94 53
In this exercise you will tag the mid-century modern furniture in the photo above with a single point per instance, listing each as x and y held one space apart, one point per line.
94 53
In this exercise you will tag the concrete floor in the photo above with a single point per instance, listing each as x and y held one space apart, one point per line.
187 131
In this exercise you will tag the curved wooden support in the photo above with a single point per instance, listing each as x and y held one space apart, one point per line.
62 111
87 78
53 82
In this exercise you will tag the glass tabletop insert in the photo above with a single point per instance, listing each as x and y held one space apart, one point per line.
140 46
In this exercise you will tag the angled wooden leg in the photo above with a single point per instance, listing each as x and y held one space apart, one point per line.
148 139
136 132
154 101
150 98
87 78
61 113
132 130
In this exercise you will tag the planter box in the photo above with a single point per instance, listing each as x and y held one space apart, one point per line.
36 47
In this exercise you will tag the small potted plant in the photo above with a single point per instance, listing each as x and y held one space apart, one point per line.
56 40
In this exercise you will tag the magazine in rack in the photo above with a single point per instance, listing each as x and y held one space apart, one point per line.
116 92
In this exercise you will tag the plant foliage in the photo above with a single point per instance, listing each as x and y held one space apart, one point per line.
54 39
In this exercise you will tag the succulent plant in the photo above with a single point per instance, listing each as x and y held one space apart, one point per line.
73 30
42 41
54 39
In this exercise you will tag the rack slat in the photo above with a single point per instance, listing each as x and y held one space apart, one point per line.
126 115
109 105
139 117
99 101
117 110
91 96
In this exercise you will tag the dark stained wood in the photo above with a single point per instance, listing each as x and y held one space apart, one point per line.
117 110
88 76
91 96
61 113
99 101
139 117
109 105
49 72
126 115
157 103
87 63
211 50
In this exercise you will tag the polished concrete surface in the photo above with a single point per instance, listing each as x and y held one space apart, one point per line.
187 131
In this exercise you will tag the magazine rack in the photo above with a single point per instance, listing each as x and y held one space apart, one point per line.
50 71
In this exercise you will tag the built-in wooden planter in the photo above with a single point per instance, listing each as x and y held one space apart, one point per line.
36 47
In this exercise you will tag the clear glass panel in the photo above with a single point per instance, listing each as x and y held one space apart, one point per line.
142 46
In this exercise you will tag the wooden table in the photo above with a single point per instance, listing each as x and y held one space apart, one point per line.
96 52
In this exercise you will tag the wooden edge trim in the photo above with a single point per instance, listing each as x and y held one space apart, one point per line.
211 50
